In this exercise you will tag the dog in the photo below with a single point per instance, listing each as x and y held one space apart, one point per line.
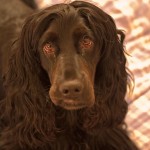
65 83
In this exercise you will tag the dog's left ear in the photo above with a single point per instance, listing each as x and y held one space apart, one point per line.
111 77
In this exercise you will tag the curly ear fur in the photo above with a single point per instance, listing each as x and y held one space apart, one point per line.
32 121
24 109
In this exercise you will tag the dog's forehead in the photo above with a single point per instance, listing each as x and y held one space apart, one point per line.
66 23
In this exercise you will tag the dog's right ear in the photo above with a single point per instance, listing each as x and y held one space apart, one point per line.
25 96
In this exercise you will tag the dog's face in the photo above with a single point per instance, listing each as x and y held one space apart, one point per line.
69 54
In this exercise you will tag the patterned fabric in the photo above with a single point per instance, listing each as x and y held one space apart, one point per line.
138 120
134 18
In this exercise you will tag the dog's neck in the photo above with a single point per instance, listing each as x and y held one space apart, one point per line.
67 119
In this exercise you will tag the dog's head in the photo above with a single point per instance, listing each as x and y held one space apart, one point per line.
69 53
78 47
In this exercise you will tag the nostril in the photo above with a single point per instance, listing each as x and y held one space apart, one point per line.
71 88
65 91
77 90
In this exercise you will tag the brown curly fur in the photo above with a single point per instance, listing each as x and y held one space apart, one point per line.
31 121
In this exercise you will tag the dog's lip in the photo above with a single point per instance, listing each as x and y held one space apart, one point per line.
73 107
72 104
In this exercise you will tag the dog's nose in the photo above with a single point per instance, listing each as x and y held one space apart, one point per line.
71 88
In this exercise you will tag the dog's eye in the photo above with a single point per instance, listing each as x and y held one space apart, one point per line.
49 48
86 43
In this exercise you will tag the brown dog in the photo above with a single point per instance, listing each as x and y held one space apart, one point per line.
66 83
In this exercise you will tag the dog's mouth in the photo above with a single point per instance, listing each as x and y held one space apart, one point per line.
69 104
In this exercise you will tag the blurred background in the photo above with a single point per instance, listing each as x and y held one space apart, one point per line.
133 16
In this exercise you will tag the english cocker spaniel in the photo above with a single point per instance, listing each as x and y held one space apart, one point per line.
66 83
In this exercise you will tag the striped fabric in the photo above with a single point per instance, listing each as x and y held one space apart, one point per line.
138 120
134 18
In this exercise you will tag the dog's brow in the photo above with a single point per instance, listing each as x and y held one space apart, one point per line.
80 31
51 36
